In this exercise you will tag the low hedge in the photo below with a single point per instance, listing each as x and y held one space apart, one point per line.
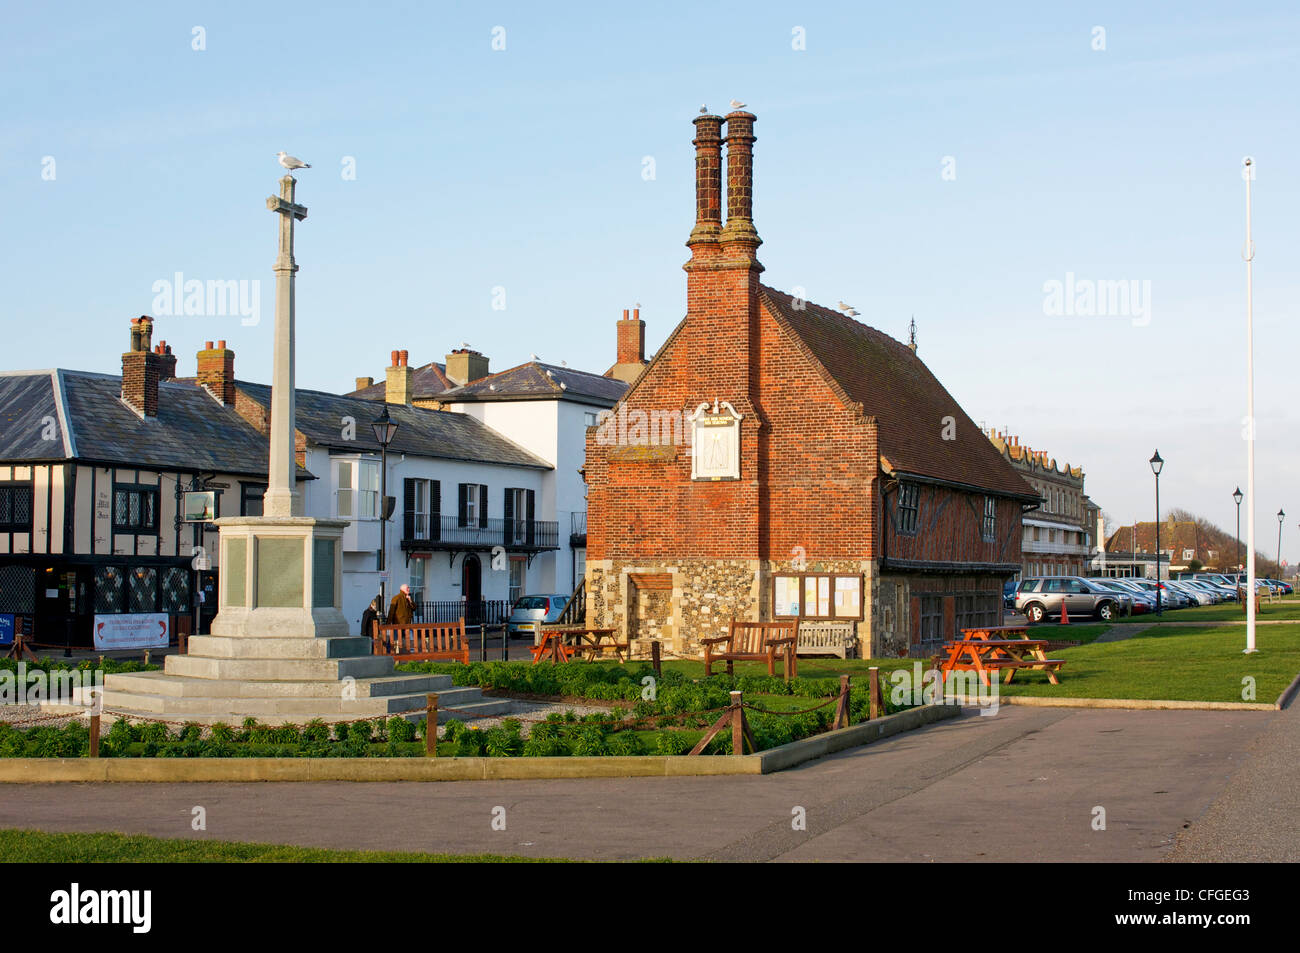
110 666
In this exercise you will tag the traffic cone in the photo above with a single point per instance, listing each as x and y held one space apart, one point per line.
1065 614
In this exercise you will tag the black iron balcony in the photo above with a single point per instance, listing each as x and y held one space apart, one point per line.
421 533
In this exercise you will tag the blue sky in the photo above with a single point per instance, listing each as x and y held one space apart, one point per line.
523 169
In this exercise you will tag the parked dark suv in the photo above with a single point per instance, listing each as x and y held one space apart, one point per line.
1041 596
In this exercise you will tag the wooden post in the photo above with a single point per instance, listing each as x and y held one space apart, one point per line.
146 656
737 725
874 687
654 659
94 736
431 725
842 709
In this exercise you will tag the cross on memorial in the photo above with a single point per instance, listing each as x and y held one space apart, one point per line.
281 493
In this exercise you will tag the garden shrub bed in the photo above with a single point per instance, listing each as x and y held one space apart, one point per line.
671 723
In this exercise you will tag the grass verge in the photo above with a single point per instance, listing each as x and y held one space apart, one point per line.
1177 664
41 847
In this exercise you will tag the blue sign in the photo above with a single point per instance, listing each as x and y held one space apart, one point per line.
6 629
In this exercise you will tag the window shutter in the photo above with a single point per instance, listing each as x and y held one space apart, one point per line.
509 520
531 504
482 505
464 505
408 508
435 509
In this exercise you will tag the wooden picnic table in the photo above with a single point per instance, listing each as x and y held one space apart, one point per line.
985 650
561 645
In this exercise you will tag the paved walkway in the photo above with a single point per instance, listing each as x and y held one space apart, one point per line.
1021 785
1257 816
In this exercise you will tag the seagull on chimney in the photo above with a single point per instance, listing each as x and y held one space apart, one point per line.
465 346
291 162
737 104
704 110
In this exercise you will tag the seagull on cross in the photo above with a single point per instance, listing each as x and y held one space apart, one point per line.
291 162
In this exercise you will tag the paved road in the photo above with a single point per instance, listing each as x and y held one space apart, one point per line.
1021 785
1257 815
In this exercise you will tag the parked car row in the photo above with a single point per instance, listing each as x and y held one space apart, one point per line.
1041 597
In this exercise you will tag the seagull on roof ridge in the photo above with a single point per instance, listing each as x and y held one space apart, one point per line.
291 162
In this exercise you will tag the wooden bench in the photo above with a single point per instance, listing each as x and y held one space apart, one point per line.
754 642
416 643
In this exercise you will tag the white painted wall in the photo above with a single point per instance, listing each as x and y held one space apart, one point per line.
555 430
442 581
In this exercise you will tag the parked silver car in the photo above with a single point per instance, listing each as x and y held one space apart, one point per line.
530 612
1042 596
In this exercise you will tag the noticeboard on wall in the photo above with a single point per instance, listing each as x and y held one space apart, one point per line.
823 596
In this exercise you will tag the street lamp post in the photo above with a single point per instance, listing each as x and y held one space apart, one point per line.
385 429
1156 466
1236 496
1280 517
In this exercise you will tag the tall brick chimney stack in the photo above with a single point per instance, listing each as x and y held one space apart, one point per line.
722 277
631 339
708 187
142 369
217 371
739 237
397 389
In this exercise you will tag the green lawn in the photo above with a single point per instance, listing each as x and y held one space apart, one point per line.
1287 609
23 846
1167 662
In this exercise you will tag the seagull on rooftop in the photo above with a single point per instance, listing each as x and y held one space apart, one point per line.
291 162
737 104
846 308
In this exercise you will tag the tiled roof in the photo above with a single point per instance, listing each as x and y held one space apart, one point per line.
1174 535
191 431
893 385
427 381
536 380
420 432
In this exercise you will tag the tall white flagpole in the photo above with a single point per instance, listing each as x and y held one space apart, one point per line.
1248 253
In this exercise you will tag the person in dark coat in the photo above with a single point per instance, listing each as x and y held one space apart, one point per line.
372 617
401 611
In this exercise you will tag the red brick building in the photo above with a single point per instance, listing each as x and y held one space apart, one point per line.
779 459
